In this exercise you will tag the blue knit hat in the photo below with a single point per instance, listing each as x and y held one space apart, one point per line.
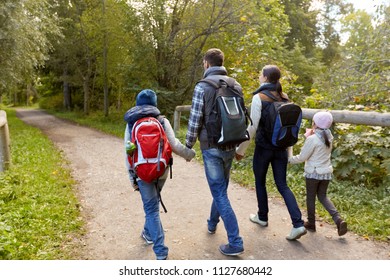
146 97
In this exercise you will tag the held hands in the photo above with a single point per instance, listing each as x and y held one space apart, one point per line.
191 153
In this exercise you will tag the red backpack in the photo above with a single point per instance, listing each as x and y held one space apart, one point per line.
153 153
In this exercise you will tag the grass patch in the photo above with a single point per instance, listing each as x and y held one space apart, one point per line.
39 215
366 209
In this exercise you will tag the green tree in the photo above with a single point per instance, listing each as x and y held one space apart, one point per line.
329 39
360 77
359 80
258 40
123 46
25 29
90 58
173 35
108 38
301 55
170 37
303 25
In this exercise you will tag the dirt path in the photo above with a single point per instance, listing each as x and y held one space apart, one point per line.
114 215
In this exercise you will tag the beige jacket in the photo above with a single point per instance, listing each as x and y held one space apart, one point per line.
316 155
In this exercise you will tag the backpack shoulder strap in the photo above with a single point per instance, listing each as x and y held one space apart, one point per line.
230 81
160 118
267 93
210 82
217 81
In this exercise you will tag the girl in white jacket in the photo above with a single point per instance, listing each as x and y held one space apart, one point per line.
316 153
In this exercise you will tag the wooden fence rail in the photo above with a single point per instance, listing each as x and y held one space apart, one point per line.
5 155
339 116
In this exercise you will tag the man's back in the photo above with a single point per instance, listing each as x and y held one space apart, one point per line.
217 162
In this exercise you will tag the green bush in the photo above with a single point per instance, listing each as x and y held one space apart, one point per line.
361 154
52 102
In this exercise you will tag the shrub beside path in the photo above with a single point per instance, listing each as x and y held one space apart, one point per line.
114 216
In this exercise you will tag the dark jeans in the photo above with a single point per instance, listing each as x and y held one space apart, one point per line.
278 159
318 188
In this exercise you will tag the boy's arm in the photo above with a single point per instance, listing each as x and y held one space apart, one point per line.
177 147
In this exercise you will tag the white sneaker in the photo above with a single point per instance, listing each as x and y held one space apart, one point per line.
255 219
296 233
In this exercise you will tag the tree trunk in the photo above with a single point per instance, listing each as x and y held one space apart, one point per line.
67 94
86 88
86 95
15 97
105 51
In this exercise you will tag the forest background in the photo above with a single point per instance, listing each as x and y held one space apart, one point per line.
87 60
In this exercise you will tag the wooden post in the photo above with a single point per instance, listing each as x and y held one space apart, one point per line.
5 155
177 116
176 121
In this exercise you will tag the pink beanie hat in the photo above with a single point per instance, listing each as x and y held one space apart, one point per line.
323 120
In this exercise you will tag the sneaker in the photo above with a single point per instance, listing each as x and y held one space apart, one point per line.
309 226
341 227
296 233
148 240
255 219
162 258
228 250
211 230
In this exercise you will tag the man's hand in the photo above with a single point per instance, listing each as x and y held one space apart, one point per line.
239 157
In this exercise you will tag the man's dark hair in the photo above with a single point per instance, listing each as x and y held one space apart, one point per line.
214 57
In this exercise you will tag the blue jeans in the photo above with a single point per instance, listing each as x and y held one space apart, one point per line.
278 159
153 227
217 165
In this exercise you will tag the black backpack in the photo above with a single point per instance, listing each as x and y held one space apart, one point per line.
283 122
227 115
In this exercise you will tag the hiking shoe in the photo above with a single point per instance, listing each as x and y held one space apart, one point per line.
148 240
229 250
296 233
341 227
255 219
309 226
